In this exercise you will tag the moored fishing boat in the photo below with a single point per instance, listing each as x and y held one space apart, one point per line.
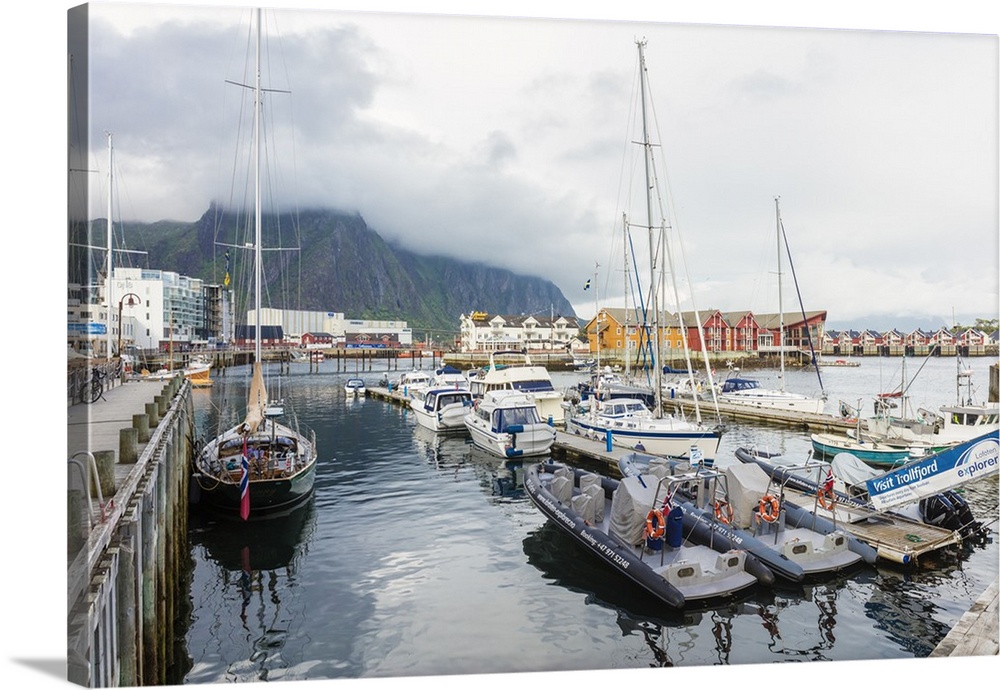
626 525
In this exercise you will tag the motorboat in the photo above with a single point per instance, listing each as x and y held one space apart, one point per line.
506 423
409 381
873 451
900 534
355 387
632 528
742 505
522 376
441 408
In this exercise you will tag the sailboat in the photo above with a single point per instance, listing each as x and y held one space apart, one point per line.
257 466
629 422
738 390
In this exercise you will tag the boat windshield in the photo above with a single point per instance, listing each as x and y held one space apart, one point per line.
532 386
504 418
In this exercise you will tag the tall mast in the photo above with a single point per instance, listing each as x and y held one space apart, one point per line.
257 214
781 312
628 361
108 284
657 392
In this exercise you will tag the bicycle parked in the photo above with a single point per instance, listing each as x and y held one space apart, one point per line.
93 388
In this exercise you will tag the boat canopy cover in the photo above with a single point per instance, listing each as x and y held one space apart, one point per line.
732 385
747 483
630 504
852 470
256 401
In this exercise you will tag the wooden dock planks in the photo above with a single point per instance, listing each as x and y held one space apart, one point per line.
975 634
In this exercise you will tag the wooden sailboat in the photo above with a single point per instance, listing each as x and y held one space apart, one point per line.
258 466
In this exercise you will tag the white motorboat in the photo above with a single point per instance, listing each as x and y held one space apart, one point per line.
441 408
355 387
519 375
506 423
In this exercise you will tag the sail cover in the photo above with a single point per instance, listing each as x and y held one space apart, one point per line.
256 401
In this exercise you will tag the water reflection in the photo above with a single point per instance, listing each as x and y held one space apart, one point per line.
255 565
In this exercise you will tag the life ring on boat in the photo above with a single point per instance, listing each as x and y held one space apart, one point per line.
656 526
768 509
723 512
827 499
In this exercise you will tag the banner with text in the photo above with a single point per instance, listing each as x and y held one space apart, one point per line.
965 462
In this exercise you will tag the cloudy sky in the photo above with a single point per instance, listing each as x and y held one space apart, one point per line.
508 141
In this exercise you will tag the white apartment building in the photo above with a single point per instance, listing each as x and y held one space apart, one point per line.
482 332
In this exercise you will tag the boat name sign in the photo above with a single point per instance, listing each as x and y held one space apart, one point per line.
937 473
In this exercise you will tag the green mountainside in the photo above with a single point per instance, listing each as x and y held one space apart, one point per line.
343 266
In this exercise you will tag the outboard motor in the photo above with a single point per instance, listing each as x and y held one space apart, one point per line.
949 510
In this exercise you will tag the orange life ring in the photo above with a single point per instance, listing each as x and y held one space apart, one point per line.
768 509
656 526
723 512
827 499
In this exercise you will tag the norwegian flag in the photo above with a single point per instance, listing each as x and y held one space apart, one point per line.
828 484
245 483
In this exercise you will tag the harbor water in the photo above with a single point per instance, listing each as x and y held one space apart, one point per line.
416 556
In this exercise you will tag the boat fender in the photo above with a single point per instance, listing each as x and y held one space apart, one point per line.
723 512
656 526
768 509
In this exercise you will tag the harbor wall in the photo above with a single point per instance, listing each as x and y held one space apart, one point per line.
127 539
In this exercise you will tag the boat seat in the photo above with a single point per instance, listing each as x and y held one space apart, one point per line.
584 505
563 471
596 493
588 480
562 489
659 468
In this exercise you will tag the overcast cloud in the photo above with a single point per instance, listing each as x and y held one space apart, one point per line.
506 141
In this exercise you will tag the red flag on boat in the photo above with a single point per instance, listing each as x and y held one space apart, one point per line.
245 483
828 484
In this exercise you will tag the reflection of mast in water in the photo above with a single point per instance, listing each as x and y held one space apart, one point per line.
825 598
258 560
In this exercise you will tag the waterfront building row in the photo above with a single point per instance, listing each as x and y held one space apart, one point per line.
151 310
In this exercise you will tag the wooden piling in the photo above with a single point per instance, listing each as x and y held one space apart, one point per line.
128 446
105 479
140 422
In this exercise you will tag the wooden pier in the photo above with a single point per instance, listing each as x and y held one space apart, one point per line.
975 634
127 532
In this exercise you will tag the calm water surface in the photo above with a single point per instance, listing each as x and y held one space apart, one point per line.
408 561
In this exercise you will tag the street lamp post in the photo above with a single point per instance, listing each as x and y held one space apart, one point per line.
132 297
